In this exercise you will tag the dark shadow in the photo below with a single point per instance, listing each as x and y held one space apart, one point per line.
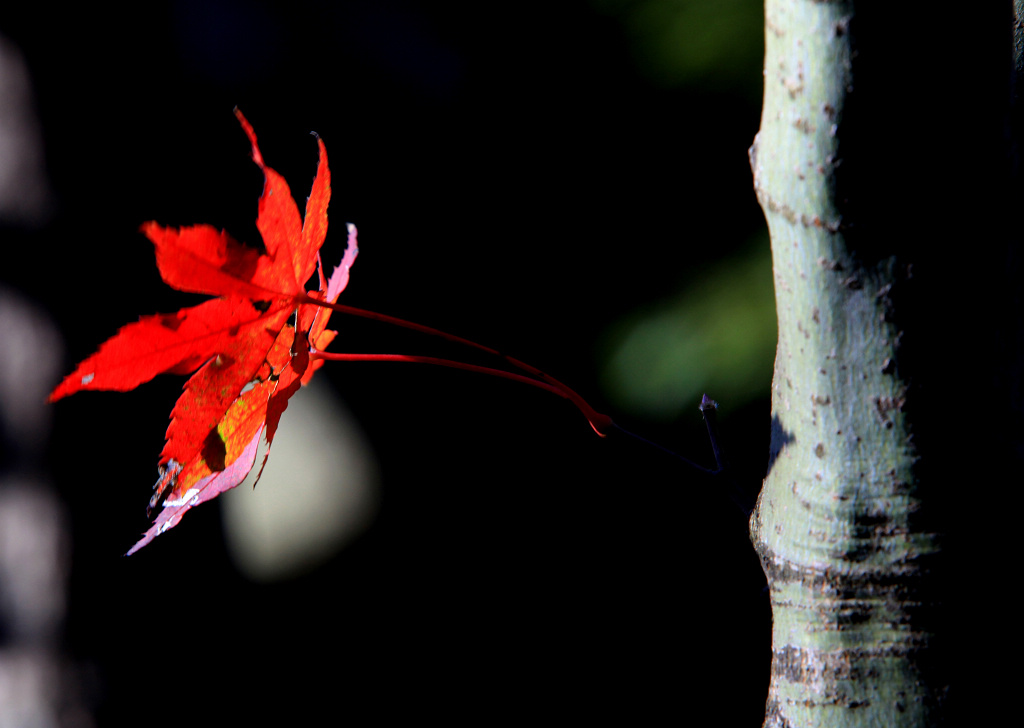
780 438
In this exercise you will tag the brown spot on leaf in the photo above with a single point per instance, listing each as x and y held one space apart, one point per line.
214 451
171 321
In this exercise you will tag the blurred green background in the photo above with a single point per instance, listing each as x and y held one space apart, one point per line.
670 52
717 334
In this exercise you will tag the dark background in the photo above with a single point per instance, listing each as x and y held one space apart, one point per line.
518 178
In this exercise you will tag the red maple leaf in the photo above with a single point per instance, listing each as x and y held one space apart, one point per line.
252 347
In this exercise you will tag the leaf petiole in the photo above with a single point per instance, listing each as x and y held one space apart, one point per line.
599 422
602 424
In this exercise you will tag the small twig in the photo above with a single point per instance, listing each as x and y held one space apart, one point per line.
709 408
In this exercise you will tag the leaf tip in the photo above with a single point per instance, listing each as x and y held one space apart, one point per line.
72 383
251 133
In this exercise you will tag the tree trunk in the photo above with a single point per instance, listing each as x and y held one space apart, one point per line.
863 178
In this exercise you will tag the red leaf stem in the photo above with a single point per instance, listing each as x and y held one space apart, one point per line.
599 422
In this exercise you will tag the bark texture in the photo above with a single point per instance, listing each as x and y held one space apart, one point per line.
836 525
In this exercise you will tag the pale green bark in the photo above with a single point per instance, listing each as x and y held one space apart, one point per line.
834 523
